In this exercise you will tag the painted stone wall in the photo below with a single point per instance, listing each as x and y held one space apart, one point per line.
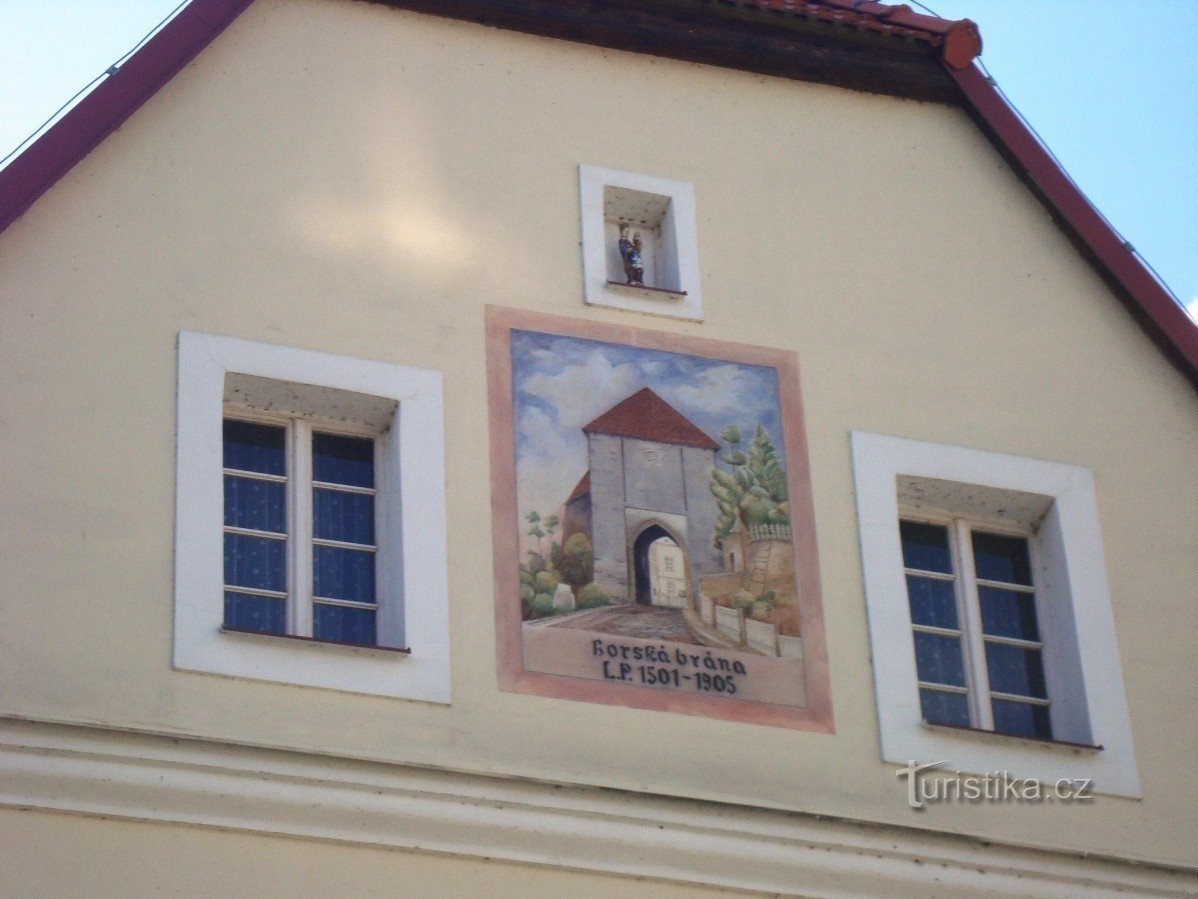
607 513
705 557
653 476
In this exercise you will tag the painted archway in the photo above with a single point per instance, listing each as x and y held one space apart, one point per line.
659 568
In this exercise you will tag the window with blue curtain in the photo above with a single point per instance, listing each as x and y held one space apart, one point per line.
259 490
996 593
343 543
255 527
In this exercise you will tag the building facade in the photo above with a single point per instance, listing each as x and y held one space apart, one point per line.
294 217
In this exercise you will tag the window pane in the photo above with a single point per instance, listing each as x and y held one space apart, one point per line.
338 515
343 460
1015 670
940 707
343 624
1022 719
261 614
938 659
343 573
254 447
999 558
925 546
933 603
250 503
255 562
1006 613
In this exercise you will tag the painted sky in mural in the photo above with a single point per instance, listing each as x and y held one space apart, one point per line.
562 383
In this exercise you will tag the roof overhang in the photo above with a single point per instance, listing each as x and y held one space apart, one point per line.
825 42
857 44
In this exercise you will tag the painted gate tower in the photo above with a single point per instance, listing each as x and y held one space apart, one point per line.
649 478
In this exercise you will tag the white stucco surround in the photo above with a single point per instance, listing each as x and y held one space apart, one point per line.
412 573
1069 544
679 239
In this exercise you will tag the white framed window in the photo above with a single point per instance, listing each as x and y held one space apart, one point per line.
990 620
310 520
639 243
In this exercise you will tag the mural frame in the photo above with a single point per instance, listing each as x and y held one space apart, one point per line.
815 713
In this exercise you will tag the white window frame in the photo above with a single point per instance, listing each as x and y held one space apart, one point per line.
412 575
679 244
1067 546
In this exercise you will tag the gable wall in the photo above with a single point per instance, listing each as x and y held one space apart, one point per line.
348 178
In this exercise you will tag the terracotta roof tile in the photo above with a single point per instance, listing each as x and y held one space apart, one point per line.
646 416
959 40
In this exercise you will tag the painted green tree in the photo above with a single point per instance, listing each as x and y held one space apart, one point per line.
539 576
540 528
577 562
753 492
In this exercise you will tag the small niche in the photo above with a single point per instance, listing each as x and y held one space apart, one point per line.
640 239
661 275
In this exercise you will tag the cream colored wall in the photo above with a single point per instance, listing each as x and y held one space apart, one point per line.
349 178
65 856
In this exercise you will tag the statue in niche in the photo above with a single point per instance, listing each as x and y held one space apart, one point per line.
631 252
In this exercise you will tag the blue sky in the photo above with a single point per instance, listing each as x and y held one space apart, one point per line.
1111 85
562 383
1112 88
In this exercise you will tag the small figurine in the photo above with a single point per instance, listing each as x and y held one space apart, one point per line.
634 267
625 247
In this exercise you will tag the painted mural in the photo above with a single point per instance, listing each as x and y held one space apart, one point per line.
654 560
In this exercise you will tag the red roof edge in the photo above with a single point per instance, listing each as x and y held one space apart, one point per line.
1158 313
959 39
582 488
67 141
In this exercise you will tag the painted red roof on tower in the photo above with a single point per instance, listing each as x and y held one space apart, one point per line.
646 416
582 488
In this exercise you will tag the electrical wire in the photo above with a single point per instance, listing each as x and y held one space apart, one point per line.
1127 245
110 71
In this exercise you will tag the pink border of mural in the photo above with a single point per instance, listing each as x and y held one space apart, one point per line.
817 714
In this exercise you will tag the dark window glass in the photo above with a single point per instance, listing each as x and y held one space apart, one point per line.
999 558
254 447
337 515
343 624
938 659
250 503
941 707
261 614
343 573
925 546
1015 670
933 602
1022 719
343 460
258 562
1007 613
